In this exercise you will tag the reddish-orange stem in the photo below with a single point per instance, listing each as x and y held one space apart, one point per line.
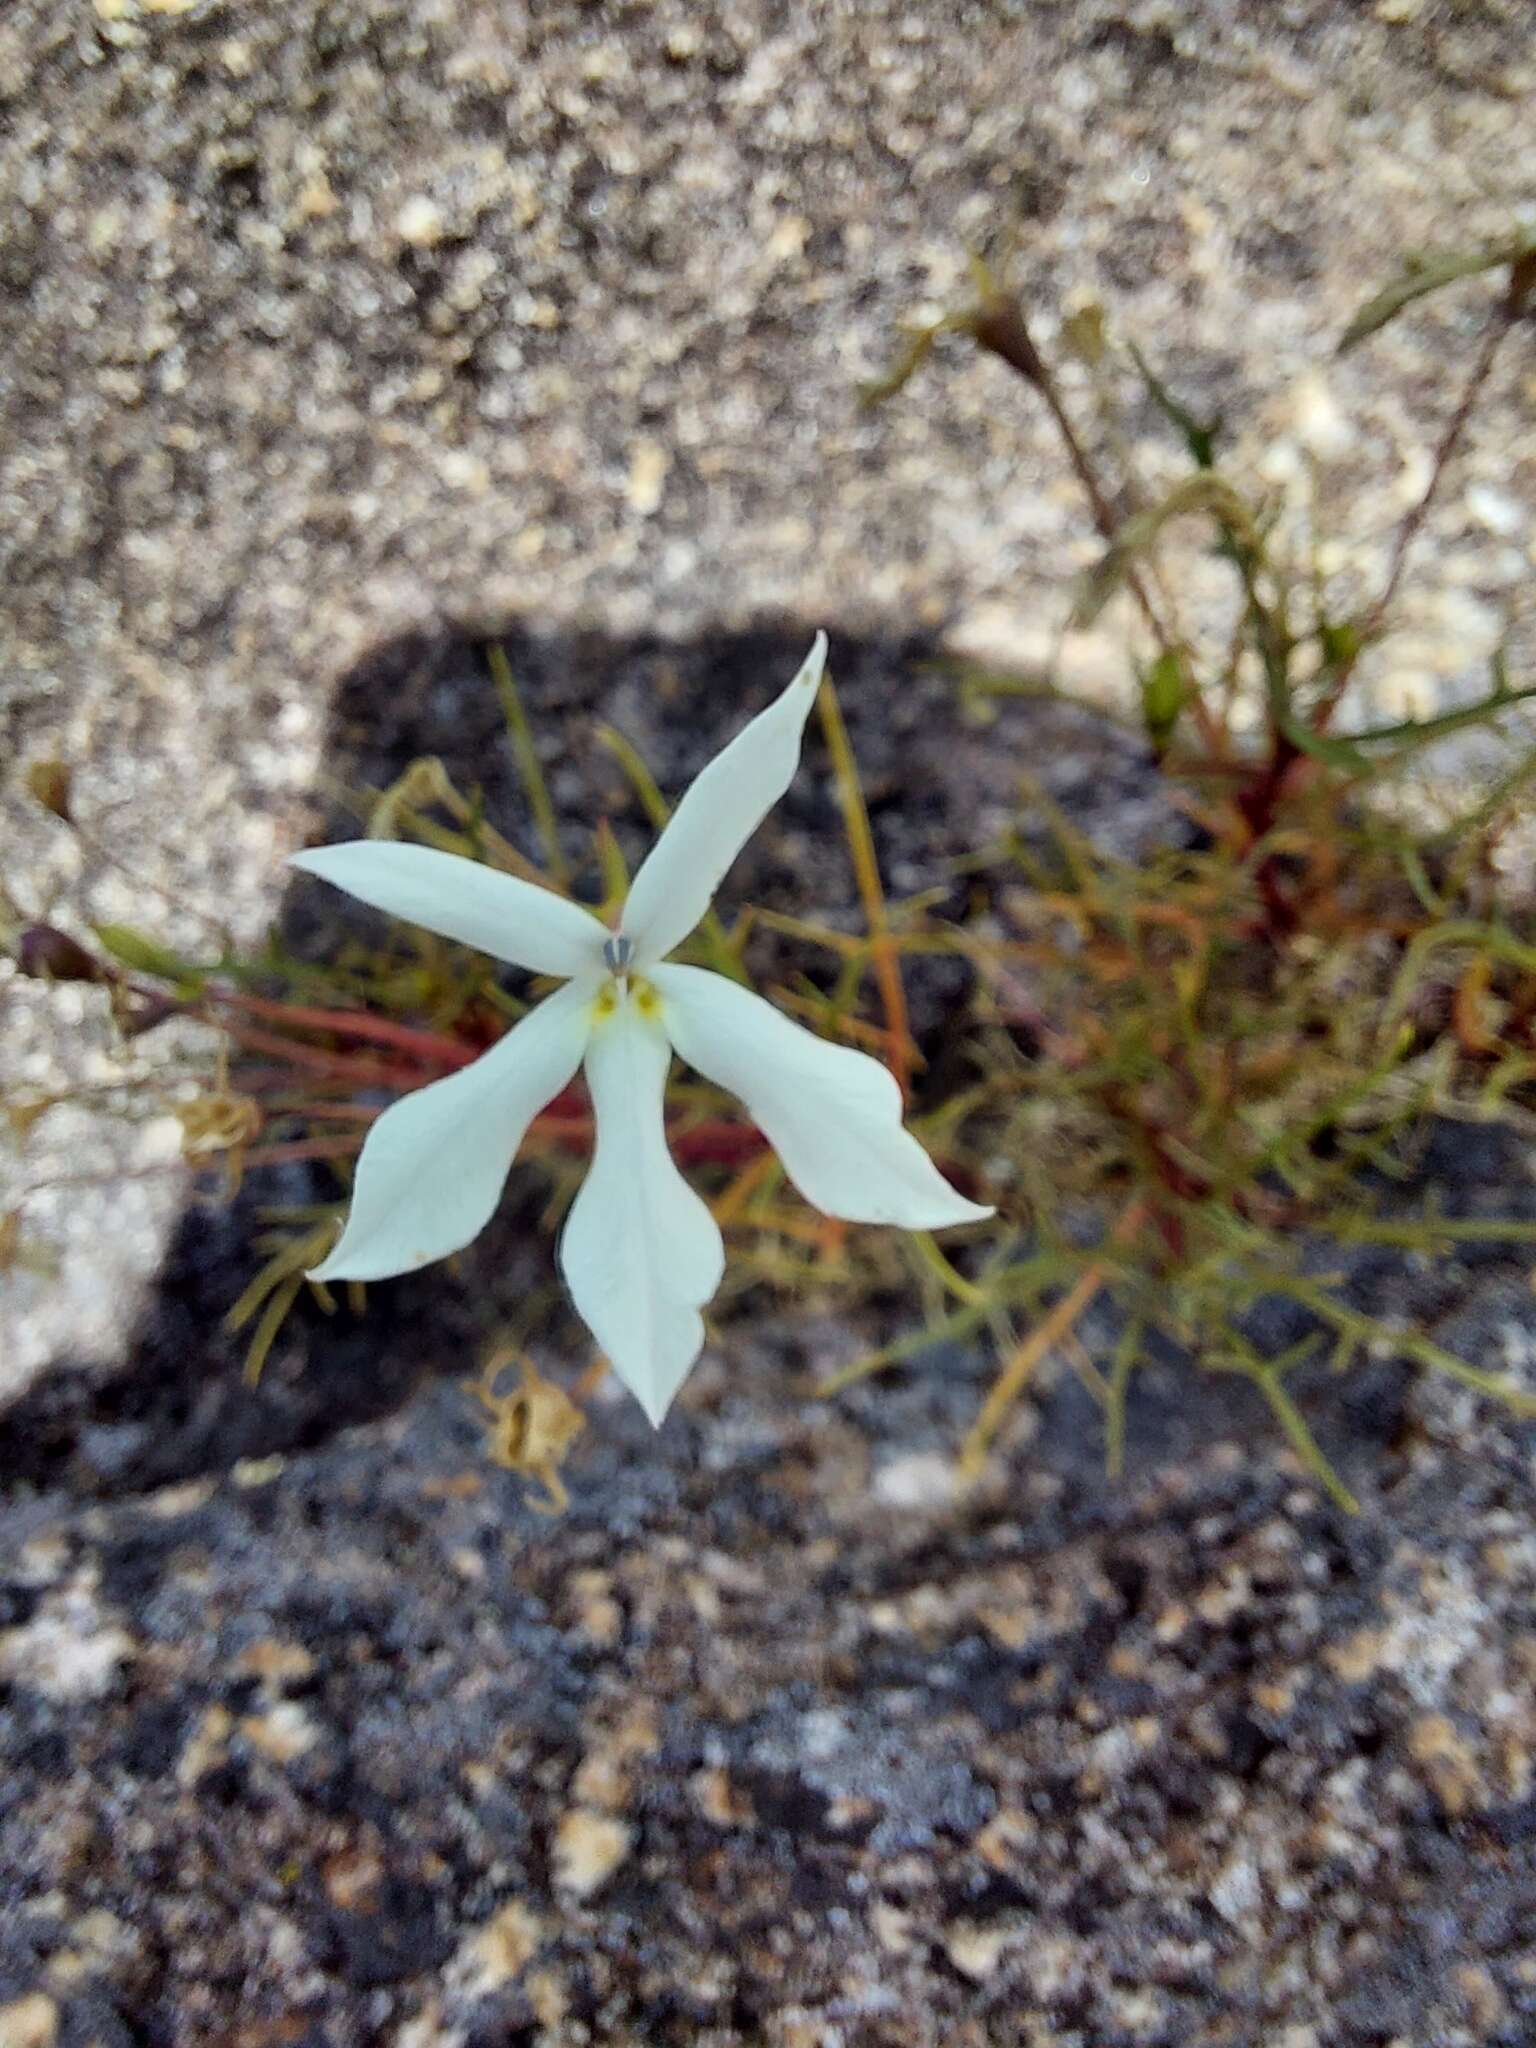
1010 1382
884 954
335 1112
712 1143
301 1148
429 1045
340 1066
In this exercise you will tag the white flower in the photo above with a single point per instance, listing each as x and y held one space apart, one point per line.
640 1251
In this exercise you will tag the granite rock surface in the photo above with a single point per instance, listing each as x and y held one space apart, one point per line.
773 1736
336 338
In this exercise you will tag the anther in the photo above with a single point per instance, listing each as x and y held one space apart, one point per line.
618 952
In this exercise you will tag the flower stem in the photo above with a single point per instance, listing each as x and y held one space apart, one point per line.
339 1066
526 756
1408 532
1015 1375
861 843
428 1045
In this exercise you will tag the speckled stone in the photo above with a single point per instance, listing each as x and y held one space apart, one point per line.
315 1730
331 332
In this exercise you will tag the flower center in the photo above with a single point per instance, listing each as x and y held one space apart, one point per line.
630 992
617 953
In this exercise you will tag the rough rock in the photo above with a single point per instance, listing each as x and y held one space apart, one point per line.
336 337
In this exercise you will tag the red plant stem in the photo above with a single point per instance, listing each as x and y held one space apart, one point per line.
566 1121
720 1144
253 1080
285 1155
334 1112
428 1045
713 1143
339 1066
999 326
1482 368
1258 806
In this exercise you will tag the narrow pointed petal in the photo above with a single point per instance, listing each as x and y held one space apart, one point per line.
433 1166
461 899
833 1115
641 1253
718 814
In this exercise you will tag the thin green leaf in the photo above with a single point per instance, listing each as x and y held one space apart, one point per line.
1304 1443
1199 436
526 756
1206 492
148 956
1347 751
1426 274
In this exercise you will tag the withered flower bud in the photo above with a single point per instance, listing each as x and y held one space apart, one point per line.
47 954
49 782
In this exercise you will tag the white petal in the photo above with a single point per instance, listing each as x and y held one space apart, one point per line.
461 899
719 812
433 1166
833 1115
641 1253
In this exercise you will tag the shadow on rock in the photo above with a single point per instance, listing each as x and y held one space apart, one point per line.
936 787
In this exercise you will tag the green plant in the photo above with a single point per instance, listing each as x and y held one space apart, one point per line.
1223 1048
1220 1056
